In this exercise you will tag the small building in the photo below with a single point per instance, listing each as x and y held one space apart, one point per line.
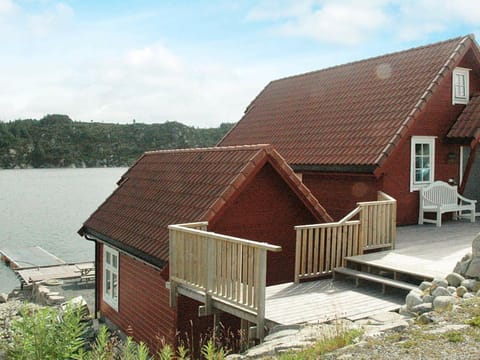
241 191
393 123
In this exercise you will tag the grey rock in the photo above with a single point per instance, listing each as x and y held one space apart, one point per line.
413 298
469 284
442 303
473 270
477 293
451 289
476 247
440 282
407 313
427 318
461 267
428 299
461 290
3 298
454 279
468 295
422 308
440 291
425 285
467 257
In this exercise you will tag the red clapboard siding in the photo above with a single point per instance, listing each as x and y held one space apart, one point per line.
143 304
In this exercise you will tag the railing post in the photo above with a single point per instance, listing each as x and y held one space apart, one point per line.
261 284
298 255
210 281
172 268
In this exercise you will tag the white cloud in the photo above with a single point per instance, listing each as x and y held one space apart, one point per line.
50 20
6 6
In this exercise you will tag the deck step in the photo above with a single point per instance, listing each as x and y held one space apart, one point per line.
358 261
374 278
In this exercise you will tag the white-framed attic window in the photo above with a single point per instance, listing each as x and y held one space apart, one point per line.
460 86
422 161
110 276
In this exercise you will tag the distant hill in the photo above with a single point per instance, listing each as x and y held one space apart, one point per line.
58 141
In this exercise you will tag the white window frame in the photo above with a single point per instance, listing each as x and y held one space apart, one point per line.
457 96
429 140
111 265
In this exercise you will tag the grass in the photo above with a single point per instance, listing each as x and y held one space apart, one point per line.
324 346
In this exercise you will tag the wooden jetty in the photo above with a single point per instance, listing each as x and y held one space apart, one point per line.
35 264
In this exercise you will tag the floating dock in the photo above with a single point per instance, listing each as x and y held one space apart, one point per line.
35 256
34 264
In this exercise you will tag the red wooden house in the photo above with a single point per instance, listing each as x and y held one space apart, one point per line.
393 123
242 191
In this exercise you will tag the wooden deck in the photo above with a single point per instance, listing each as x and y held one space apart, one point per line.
420 249
324 300
426 249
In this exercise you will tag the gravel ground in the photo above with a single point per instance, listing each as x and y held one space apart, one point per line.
448 337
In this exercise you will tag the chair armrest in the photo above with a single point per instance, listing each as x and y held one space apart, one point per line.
463 198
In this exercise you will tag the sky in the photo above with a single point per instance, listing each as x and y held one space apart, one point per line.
196 62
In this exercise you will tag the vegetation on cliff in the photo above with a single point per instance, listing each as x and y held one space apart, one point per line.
58 141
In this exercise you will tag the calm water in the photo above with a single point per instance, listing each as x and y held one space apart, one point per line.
46 207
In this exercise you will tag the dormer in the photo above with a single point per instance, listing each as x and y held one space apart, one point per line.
460 86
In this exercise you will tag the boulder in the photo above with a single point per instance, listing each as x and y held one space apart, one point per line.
442 303
3 298
473 270
451 289
468 295
413 299
422 308
461 290
440 282
461 267
428 299
469 284
425 285
440 291
454 279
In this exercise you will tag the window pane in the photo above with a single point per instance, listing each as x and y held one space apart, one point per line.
426 175
114 261
426 149
108 282
418 162
108 260
418 175
114 286
418 149
426 162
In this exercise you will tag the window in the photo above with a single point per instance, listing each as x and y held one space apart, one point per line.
110 276
422 161
460 86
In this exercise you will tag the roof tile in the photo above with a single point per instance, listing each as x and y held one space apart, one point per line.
468 123
178 186
327 117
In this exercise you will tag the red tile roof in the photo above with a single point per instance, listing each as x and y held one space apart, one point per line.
347 115
179 186
468 123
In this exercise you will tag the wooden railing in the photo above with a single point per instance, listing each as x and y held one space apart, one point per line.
227 271
322 247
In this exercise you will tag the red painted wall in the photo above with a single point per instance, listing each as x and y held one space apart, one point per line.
144 311
339 193
436 119
267 210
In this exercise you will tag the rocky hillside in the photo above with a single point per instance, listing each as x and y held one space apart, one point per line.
58 141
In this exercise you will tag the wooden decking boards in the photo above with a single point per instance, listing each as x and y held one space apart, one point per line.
325 300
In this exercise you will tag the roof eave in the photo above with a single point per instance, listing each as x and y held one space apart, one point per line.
357 169
84 231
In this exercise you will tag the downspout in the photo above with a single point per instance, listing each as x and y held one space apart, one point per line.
96 273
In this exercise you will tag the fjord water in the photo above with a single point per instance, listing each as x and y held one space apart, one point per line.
46 207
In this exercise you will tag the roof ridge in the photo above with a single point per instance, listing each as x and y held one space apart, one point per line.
459 38
210 148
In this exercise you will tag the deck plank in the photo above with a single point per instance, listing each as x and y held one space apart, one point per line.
324 300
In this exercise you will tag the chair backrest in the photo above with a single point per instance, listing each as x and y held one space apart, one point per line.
440 193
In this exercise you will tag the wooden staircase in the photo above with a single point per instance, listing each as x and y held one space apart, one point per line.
364 272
